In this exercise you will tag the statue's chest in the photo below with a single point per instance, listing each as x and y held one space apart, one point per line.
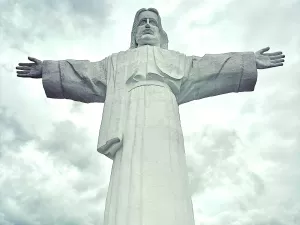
148 62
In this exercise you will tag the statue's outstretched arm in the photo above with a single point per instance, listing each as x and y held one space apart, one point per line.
78 80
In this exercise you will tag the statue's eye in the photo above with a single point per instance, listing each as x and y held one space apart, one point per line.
142 22
153 22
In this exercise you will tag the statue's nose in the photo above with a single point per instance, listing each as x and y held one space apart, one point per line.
147 25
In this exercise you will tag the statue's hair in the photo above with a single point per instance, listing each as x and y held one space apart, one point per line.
163 35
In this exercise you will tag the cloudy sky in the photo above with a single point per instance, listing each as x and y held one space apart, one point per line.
243 150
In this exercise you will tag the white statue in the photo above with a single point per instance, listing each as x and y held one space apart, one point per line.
141 89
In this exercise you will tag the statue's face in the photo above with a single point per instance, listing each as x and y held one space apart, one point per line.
147 30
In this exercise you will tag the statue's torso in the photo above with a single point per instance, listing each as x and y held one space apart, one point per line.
133 77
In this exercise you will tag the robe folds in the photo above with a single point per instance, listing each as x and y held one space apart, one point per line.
141 90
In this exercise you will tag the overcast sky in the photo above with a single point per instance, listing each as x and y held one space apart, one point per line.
243 150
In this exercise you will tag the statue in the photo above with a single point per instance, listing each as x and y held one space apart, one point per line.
141 89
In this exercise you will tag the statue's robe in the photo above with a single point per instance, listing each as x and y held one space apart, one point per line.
142 89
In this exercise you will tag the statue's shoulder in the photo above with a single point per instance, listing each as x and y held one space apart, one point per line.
117 53
123 57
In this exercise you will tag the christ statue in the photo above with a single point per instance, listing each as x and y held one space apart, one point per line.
141 89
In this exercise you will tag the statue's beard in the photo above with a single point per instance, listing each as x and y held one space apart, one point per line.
148 31
147 39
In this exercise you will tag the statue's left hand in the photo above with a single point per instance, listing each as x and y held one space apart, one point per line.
268 60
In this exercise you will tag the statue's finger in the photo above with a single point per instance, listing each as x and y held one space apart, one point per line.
111 147
114 140
111 142
264 50
277 60
33 59
22 72
23 68
273 53
277 57
276 64
24 75
26 64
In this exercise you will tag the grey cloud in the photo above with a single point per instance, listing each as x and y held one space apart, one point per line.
183 8
280 23
220 147
38 20
258 24
99 10
215 157
68 142
13 134
76 107
30 193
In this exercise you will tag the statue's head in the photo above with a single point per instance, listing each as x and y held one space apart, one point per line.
147 29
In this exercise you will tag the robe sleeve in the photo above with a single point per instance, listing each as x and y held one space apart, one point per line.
78 80
216 74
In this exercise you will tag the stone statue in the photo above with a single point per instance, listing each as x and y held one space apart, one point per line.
141 89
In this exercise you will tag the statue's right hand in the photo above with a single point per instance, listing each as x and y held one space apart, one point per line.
31 70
